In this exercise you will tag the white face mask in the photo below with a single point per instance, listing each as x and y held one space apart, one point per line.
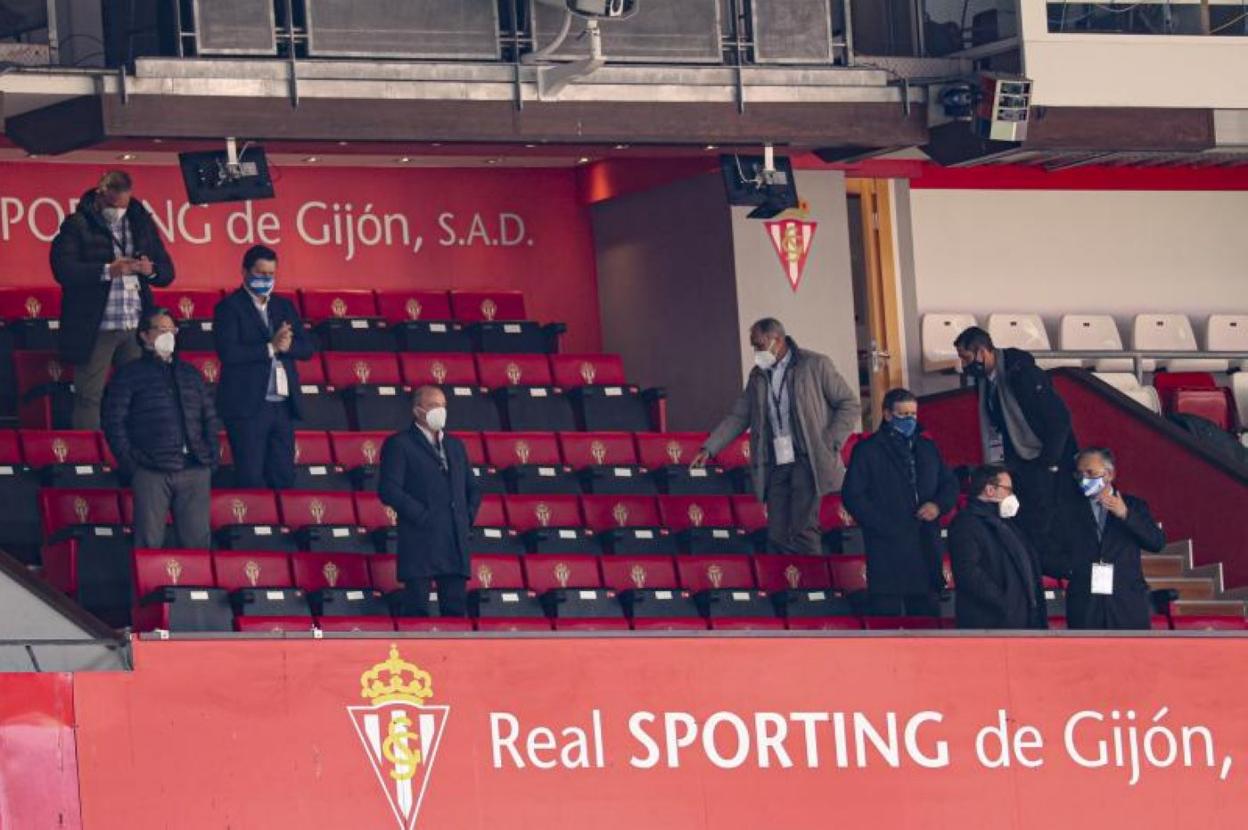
764 359
1008 507
164 344
113 214
435 418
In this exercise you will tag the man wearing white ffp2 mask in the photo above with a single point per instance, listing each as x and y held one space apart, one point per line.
799 411
995 567
428 482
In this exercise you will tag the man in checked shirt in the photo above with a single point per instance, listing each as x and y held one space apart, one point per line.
107 256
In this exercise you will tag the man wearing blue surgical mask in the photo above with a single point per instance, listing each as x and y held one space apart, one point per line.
896 489
1104 536
259 339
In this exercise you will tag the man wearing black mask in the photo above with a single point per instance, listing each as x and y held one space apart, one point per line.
897 488
1024 423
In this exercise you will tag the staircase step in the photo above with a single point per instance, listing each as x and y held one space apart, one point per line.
1188 587
1163 564
1208 607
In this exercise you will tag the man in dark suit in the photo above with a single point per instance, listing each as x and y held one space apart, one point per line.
1104 536
427 479
1026 425
259 338
107 256
996 569
897 488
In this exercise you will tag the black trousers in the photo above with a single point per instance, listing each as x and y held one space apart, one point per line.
1044 497
264 447
903 605
452 596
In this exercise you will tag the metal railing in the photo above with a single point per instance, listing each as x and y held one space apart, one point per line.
1138 357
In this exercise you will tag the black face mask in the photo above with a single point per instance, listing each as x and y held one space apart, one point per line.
975 369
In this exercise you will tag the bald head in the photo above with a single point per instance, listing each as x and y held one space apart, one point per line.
429 399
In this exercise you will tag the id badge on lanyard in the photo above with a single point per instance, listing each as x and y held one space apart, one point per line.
1103 578
280 383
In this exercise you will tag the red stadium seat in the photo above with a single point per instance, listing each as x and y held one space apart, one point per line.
363 623
321 305
324 521
11 447
474 446
314 571
625 573
63 509
236 569
663 449
349 369
175 590
669 624
747 624
776 572
383 572
574 370
193 304
491 513
313 447
591 624
592 449
433 624
274 625
691 512
901 623
845 623
371 513
473 306
736 455
714 573
412 306
46 448
1167 383
513 624
669 455
849 573
494 571
830 512
312 372
506 449
44 391
611 512
1209 622
525 513
206 363
847 449
248 520
30 303
1216 405
498 371
1057 622
439 369
548 572
750 513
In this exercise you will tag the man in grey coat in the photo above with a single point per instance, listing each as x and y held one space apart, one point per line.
799 411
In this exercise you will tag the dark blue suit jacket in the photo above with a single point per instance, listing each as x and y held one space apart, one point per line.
242 344
436 509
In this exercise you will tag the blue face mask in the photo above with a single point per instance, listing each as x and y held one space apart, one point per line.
260 286
1091 487
905 425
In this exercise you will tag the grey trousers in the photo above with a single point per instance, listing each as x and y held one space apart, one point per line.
112 348
187 492
792 509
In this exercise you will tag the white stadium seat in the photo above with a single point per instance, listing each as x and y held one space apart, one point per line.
1228 333
1126 383
1170 333
1024 331
1093 333
1239 388
939 332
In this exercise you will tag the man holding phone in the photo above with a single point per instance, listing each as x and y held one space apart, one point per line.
259 339
107 256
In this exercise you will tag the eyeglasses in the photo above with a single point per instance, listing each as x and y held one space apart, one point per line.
1006 487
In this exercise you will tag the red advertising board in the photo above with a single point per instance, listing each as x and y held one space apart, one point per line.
38 765
338 227
730 733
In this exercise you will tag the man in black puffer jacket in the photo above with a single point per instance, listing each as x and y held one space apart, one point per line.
107 256
162 427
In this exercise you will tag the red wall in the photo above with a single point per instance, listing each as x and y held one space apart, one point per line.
522 229
38 753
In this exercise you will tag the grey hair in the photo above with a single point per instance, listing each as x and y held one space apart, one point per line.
769 326
1105 453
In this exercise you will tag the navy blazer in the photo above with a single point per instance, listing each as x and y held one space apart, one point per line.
242 345
436 509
